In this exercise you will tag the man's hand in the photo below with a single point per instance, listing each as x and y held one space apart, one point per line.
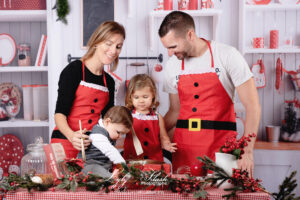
246 162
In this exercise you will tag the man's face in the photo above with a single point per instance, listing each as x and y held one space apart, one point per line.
176 45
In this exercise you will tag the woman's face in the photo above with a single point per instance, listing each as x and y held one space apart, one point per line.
107 51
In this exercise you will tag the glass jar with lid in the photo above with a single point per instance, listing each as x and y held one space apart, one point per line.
24 57
35 163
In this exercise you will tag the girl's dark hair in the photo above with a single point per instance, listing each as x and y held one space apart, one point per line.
120 115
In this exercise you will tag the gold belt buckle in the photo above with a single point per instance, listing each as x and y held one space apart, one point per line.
198 121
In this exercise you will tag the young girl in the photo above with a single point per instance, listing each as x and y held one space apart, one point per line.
148 125
101 154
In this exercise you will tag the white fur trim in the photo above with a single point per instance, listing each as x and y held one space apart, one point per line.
145 117
94 86
198 71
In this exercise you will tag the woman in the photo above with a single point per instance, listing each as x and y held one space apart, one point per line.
85 90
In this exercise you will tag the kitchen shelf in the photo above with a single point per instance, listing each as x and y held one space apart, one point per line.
215 13
246 9
272 7
22 15
23 123
279 50
24 69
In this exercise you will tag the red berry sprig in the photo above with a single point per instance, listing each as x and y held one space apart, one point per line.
241 178
236 147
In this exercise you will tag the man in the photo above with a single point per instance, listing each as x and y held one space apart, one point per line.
201 80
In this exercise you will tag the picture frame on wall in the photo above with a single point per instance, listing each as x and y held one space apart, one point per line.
93 13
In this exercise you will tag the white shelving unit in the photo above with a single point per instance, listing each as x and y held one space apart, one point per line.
215 13
23 69
23 123
23 15
8 17
245 9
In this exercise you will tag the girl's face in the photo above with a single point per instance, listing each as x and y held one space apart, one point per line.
107 51
142 99
115 130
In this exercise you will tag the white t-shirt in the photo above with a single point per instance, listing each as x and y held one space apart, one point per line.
230 66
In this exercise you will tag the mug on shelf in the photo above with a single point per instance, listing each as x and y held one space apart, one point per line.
258 42
273 133
168 4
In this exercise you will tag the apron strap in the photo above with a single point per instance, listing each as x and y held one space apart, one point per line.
211 55
83 75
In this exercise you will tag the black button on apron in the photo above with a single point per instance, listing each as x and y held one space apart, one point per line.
96 100
146 143
92 111
90 121
146 157
194 109
196 84
146 129
196 96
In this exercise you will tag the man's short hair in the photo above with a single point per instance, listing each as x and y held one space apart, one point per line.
178 21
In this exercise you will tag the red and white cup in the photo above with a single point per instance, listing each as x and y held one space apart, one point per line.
274 39
168 4
258 42
183 4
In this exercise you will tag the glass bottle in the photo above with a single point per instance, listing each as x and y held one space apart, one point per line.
24 57
35 163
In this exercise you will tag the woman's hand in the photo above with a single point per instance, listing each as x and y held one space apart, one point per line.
76 139
167 145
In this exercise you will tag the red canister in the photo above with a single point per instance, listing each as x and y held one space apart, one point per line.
193 5
168 4
274 38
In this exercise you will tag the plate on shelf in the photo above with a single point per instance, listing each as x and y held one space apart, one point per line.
258 2
288 1
7 49
11 151
10 98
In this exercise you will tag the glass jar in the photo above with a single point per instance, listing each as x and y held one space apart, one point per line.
35 163
24 57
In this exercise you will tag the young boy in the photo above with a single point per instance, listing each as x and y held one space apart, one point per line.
101 154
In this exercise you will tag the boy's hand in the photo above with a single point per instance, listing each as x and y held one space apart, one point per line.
169 146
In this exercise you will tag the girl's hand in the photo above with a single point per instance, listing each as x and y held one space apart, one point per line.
76 139
167 145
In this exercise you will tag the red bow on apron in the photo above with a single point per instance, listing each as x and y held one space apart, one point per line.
147 130
206 117
90 99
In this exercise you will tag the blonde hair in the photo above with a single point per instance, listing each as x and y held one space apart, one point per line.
137 82
120 115
101 34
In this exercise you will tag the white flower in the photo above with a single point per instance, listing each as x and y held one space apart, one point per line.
37 179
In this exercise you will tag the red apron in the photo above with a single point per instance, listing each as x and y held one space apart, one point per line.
90 99
206 117
147 130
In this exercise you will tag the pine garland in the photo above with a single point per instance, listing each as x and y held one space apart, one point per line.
62 9
133 177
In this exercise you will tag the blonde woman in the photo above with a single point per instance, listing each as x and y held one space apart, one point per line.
85 90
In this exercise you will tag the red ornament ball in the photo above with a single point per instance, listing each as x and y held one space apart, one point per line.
196 169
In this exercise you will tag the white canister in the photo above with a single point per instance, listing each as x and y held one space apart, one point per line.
227 162
40 102
27 102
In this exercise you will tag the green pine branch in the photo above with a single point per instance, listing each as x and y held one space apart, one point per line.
286 189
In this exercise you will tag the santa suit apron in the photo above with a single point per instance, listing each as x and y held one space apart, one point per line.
90 99
206 117
147 130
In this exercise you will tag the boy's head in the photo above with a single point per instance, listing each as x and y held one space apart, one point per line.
117 120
